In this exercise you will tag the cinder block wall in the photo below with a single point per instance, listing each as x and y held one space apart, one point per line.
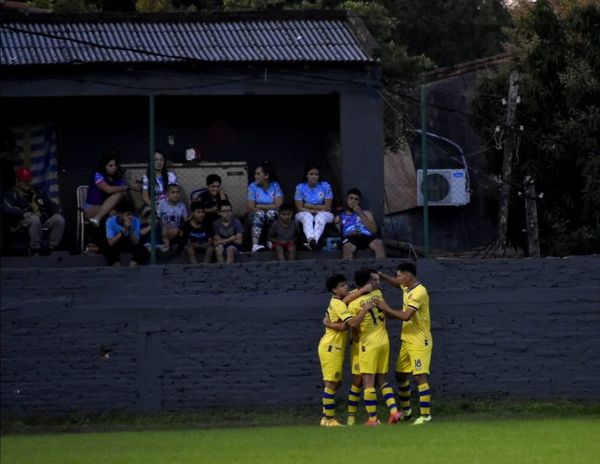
183 338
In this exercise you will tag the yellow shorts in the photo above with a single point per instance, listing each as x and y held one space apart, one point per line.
374 359
354 358
332 362
414 359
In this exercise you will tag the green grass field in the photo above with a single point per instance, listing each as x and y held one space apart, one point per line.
447 440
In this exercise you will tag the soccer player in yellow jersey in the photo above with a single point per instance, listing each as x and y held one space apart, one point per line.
332 346
373 347
417 344
356 385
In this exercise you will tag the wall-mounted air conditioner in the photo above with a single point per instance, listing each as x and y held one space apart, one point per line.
445 187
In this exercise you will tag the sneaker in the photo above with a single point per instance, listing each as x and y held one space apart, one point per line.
333 423
407 415
257 247
351 421
395 418
95 221
306 246
313 245
372 422
323 422
422 420
163 248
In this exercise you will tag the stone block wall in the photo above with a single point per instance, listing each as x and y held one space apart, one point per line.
182 338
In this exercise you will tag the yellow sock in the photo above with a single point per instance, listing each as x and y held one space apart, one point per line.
328 403
353 399
370 396
388 396
424 399
404 396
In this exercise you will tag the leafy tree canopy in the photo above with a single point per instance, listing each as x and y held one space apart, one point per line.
555 46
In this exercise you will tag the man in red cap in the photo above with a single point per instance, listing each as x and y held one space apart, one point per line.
30 208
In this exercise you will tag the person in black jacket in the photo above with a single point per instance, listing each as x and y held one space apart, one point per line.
30 207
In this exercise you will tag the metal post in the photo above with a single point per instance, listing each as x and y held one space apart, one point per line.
152 179
423 185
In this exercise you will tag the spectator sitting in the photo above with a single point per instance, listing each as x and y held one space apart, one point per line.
106 191
172 213
228 234
211 196
197 235
283 232
163 179
123 236
31 208
358 227
313 201
264 198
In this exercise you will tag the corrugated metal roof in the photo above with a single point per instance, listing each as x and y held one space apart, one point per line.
283 40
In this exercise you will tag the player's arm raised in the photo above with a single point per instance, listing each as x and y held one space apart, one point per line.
393 280
356 320
354 294
394 313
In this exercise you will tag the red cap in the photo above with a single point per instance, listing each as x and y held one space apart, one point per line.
23 174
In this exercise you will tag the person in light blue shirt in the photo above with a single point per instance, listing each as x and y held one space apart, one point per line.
313 199
264 199
123 236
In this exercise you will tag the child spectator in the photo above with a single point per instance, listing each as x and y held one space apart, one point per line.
211 197
282 233
197 235
123 236
228 234
172 213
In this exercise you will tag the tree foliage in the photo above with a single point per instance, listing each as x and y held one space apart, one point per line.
556 48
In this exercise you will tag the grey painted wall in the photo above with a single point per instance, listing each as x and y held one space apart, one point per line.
184 338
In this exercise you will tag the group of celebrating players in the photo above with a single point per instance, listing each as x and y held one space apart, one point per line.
364 312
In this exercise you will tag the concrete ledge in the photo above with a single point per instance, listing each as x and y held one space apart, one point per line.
62 259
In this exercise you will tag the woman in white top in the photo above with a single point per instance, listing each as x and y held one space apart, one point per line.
163 178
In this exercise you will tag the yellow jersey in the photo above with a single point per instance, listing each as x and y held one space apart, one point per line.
372 330
417 330
337 312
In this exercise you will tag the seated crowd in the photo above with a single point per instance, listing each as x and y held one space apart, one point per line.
209 230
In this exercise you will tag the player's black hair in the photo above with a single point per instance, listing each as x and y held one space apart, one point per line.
408 267
286 207
196 205
334 280
362 277
224 203
170 186
354 191
212 178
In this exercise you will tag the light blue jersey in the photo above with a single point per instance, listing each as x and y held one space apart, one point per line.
262 196
313 195
113 227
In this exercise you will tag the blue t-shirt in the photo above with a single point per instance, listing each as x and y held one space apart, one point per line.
262 196
352 224
113 227
313 195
